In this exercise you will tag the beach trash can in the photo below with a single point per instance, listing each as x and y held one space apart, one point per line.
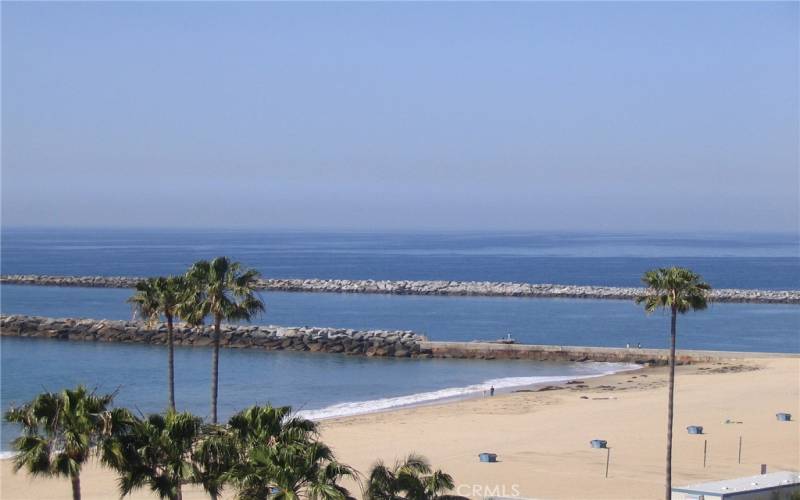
598 443
695 429
488 457
783 417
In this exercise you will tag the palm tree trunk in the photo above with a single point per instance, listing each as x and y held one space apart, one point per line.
215 370
670 402
171 363
76 487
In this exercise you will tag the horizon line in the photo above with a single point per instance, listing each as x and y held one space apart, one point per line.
402 230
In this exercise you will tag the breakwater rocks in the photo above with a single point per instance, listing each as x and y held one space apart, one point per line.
454 288
381 343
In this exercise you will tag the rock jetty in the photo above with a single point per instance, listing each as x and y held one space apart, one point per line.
380 343
453 288
532 352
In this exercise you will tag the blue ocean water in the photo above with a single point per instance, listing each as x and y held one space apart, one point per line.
769 261
331 385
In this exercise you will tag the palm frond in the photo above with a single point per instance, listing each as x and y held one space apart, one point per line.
60 431
674 288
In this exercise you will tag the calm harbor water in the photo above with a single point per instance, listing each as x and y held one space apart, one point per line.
317 384
334 385
611 323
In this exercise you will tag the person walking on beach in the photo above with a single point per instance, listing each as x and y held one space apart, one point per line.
491 391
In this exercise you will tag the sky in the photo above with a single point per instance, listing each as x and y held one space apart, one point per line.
392 116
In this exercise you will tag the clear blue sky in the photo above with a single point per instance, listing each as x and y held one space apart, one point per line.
628 116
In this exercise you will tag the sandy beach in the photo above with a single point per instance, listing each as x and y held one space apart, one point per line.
542 438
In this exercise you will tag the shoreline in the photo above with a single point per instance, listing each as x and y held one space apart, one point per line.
426 287
459 394
470 392
542 438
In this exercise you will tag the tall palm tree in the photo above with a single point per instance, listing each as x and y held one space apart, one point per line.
60 432
155 297
679 290
412 479
157 452
226 292
145 301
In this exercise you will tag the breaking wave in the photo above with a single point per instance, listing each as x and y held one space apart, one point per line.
500 384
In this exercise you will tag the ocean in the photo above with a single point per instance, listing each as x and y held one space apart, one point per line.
769 261
329 385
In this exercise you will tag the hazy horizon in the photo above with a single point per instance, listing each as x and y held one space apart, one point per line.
646 232
609 117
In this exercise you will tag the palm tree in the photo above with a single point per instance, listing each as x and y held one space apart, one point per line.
437 483
410 479
157 453
291 471
280 456
226 292
155 297
145 301
212 458
268 424
679 290
60 432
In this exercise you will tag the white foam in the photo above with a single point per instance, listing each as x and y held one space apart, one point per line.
376 405
383 404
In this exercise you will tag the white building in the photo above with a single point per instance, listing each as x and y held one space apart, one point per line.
772 486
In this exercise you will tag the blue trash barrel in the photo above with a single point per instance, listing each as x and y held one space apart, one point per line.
488 457
783 417
598 443
695 429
